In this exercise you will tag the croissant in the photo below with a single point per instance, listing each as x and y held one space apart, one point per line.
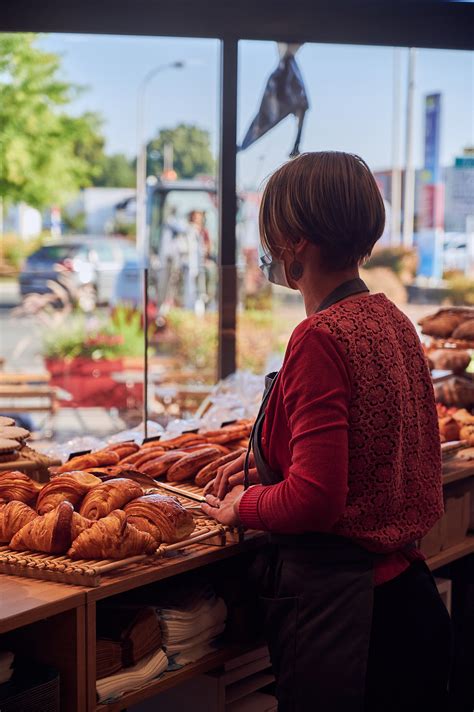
108 496
79 525
112 538
50 533
14 516
72 487
18 486
161 516
93 459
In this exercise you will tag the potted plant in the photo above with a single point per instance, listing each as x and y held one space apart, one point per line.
84 353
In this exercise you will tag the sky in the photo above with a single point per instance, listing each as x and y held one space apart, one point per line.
350 90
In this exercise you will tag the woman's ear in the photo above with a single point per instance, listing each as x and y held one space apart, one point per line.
299 246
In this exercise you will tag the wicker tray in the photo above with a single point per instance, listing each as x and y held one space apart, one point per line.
88 573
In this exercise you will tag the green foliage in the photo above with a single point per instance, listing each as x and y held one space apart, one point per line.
45 155
14 250
115 171
119 336
75 222
191 151
398 259
259 335
461 290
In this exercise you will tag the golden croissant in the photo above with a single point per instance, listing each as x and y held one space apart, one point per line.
51 533
71 487
110 495
18 486
13 516
161 516
79 524
111 538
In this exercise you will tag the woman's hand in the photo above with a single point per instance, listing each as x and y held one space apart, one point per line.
231 475
225 511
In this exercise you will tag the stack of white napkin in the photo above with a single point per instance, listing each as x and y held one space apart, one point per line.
132 678
190 629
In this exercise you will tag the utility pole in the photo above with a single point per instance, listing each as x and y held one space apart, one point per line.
409 192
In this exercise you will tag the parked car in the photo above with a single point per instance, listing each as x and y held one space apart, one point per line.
90 263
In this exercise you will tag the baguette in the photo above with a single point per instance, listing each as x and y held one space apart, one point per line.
188 466
148 455
123 449
208 472
160 465
93 459
186 439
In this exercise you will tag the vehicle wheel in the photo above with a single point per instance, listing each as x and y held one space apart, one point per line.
87 297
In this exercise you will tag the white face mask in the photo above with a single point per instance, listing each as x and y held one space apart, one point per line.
273 269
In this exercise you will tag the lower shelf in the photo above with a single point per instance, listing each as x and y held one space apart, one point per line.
170 679
452 554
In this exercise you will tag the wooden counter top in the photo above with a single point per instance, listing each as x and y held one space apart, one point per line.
24 601
143 574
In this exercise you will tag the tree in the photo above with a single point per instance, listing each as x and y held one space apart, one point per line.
115 171
191 151
45 154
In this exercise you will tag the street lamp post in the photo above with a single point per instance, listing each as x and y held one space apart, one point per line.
141 226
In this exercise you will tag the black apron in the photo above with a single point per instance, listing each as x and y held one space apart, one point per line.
317 596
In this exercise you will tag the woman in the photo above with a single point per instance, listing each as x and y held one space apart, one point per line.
345 472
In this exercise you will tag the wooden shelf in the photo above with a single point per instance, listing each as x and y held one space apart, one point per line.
452 554
139 575
25 601
171 679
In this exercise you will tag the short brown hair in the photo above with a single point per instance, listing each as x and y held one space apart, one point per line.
329 198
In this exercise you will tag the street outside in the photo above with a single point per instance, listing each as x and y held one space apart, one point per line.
20 346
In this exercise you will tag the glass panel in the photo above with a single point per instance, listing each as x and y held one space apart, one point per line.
358 103
72 299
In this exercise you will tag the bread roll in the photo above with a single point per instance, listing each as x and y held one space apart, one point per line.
454 360
188 466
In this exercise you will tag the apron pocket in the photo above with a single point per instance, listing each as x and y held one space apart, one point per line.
280 616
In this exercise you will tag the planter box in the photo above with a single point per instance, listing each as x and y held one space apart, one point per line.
90 382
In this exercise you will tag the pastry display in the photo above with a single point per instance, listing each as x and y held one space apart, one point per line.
9 450
465 330
208 472
108 496
455 391
13 516
123 449
111 538
449 428
188 466
5 422
79 524
159 465
456 360
164 518
51 533
96 459
12 432
72 486
17 486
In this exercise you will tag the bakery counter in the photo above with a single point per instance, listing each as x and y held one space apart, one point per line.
45 622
